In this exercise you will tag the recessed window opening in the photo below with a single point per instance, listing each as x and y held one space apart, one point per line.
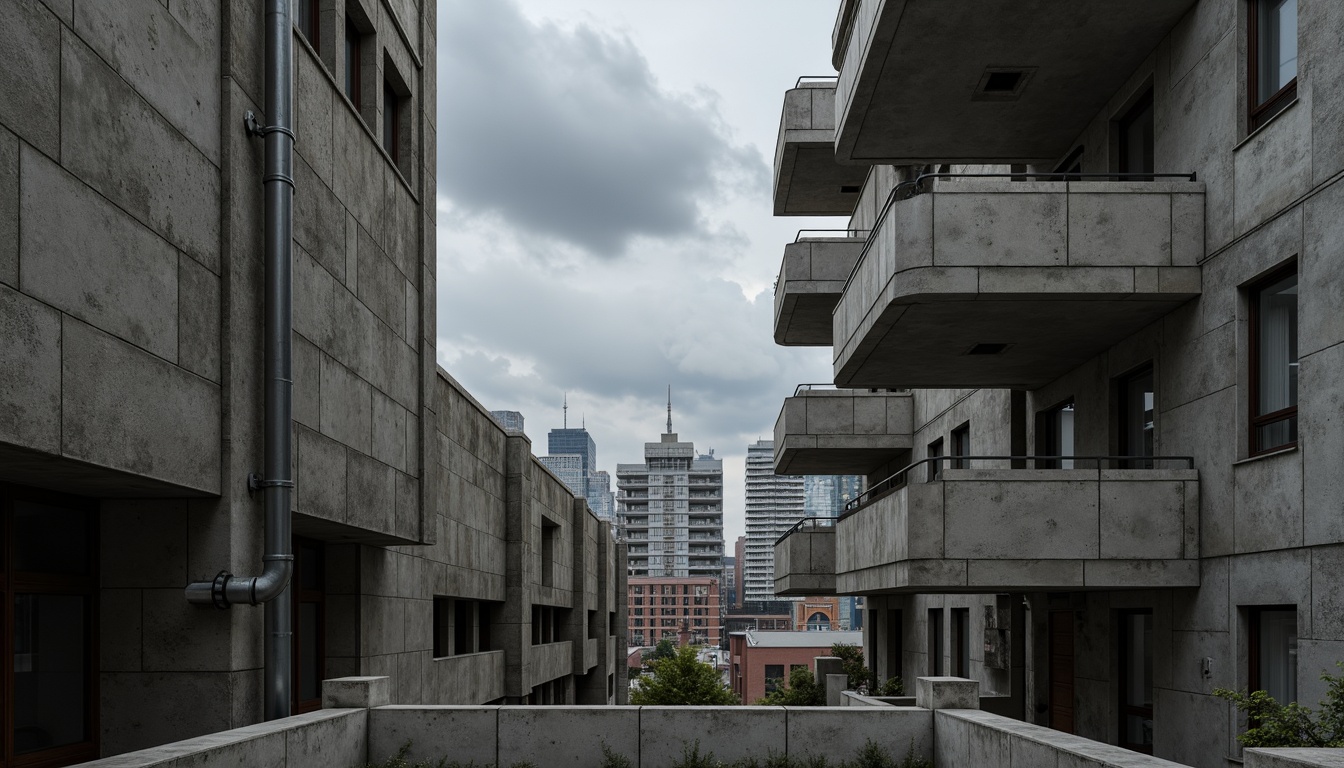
1272 58
961 445
1137 409
1054 436
1273 362
354 40
849 189
935 451
1136 138
309 21
961 642
1002 82
935 642
1272 652
1136 680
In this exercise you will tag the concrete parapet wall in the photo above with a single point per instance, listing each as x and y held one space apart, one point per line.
328 737
973 737
1294 758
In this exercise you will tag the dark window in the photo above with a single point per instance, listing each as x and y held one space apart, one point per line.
1272 651
1136 681
310 627
1136 137
935 639
550 534
354 43
49 577
961 445
961 642
309 21
1054 436
1136 412
1273 361
895 641
1271 45
392 122
774 677
935 468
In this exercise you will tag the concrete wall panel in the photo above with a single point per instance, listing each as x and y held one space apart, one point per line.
30 42
30 373
567 736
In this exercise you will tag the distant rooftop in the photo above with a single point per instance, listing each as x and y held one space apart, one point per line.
800 639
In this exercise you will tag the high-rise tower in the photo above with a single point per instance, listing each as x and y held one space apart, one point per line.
774 504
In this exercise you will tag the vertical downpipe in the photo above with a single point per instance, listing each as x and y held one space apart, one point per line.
278 183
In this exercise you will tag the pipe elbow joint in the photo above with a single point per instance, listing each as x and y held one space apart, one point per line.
227 590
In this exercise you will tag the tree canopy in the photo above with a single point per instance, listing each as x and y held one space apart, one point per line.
681 680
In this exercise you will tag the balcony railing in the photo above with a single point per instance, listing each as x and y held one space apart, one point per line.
806 524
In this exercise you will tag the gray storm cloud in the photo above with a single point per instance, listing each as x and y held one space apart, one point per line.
565 132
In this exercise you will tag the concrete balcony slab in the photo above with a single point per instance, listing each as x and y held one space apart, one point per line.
808 180
915 81
805 559
811 278
1003 530
996 283
824 431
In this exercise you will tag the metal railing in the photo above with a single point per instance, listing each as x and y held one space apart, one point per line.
807 522
835 234
900 479
816 79
912 187
801 388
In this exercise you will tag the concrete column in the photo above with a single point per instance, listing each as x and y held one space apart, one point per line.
835 689
622 624
515 627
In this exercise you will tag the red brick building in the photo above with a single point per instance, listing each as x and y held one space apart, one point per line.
760 659
817 614
684 610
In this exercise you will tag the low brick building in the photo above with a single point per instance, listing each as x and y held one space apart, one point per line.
761 659
684 610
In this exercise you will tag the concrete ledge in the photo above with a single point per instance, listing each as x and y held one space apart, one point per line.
465 733
355 692
947 693
567 736
1294 758
963 737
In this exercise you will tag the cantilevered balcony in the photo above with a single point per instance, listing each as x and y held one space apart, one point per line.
992 282
816 265
808 181
826 431
992 81
1000 524
805 558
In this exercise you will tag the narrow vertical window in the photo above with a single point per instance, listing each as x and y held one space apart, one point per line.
391 122
309 606
353 61
310 24
1272 652
961 642
1054 437
1136 138
961 445
1273 362
1137 418
935 464
1272 58
1136 681
935 642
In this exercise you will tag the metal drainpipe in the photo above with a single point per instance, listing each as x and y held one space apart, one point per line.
276 482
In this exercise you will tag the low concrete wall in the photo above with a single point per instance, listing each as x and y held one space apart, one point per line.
328 738
470 678
972 737
652 737
1294 758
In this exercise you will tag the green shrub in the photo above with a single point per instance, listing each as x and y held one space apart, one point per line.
894 686
851 661
682 680
802 691
610 759
1292 725
691 757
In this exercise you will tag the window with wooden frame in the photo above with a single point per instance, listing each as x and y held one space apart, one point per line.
1271 651
49 580
310 624
309 21
1271 48
1272 304
961 445
1136 680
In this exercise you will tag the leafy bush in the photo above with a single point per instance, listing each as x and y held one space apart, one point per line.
610 759
894 686
1292 725
851 661
801 691
682 680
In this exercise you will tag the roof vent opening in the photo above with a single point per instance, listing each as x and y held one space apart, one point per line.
987 348
849 189
1002 83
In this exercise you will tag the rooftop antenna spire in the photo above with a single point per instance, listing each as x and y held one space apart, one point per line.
566 410
669 409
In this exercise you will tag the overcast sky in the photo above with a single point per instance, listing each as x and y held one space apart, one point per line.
604 216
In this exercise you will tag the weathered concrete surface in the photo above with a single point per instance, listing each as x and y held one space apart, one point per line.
805 562
842 431
811 279
1039 266
808 180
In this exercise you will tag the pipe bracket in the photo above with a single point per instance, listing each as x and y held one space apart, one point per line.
255 128
217 588
256 483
